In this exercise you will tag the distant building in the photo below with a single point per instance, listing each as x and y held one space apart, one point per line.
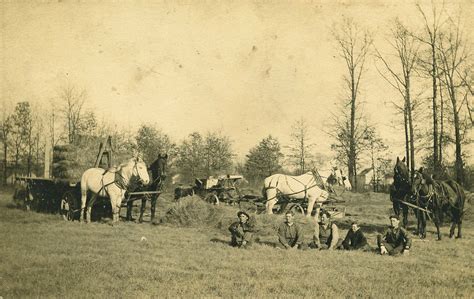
365 181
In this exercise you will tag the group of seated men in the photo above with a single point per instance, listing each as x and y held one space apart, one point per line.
394 241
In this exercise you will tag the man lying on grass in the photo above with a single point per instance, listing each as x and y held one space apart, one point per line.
395 240
241 231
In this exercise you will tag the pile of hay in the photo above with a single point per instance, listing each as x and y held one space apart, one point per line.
194 212
69 162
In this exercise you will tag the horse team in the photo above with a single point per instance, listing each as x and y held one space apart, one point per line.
429 198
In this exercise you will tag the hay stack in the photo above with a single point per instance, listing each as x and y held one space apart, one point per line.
69 162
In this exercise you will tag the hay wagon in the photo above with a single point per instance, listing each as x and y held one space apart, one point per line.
214 190
62 195
257 203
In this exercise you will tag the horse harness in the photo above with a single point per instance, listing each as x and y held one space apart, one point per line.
305 190
119 180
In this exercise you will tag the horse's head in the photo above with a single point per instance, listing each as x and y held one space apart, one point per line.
139 170
158 167
400 172
421 182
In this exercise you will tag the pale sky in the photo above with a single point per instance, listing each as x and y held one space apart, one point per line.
249 69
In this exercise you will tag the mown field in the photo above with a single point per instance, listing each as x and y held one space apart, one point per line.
188 255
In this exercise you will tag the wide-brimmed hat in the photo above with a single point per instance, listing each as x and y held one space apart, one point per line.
242 212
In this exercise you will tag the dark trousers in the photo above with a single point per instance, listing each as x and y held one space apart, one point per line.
392 250
292 243
236 241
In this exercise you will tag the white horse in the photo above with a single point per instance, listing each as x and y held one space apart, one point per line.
297 187
111 183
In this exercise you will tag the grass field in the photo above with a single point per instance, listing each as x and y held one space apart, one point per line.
188 255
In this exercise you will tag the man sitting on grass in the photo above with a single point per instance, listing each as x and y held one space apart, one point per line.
355 239
396 240
326 234
242 231
290 234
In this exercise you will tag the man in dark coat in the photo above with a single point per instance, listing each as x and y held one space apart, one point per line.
355 239
290 234
241 231
395 240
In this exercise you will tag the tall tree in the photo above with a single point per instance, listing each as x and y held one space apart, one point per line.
21 123
217 153
454 72
5 131
263 160
377 152
428 63
73 100
300 149
406 48
190 153
353 44
152 141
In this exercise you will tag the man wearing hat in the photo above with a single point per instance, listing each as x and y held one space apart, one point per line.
242 231
395 240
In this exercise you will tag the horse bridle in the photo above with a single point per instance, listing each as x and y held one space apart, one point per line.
417 189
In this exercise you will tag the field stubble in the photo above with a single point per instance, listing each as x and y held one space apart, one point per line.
188 254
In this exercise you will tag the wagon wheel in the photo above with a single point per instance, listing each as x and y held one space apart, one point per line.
212 198
295 208
69 207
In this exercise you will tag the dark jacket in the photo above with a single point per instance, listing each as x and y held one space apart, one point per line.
396 237
354 240
241 231
290 235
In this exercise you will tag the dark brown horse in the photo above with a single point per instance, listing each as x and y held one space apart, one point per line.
400 190
440 198
157 171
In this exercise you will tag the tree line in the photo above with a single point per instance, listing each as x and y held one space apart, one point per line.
435 53
428 65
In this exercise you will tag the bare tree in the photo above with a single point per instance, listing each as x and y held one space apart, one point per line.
5 131
454 73
72 104
353 44
406 48
377 149
429 66
300 148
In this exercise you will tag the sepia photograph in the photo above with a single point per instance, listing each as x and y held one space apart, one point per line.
236 149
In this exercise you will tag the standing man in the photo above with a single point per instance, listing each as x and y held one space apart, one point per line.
242 231
290 234
326 234
355 239
395 240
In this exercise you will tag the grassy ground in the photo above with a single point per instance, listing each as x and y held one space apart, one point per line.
44 256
